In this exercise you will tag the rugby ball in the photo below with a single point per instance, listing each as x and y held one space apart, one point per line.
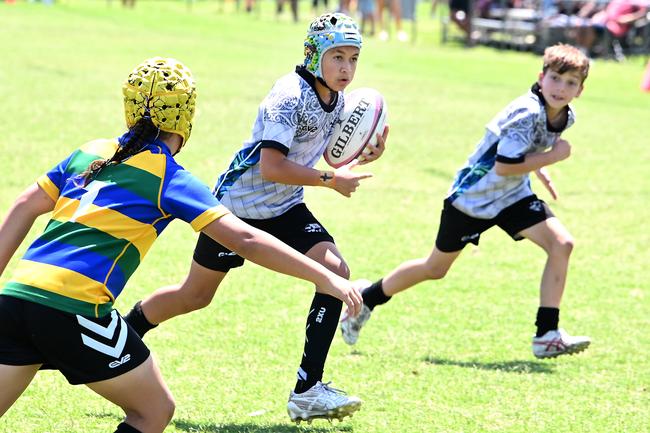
363 116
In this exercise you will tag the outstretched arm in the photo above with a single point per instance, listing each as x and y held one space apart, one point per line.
534 161
265 250
30 204
275 167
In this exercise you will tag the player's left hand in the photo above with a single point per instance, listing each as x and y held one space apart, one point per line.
545 178
346 181
373 152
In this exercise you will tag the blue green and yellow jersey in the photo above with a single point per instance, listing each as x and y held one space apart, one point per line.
99 233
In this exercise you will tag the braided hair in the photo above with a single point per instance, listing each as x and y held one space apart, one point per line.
142 133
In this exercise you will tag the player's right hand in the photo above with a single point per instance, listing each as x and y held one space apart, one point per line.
347 291
346 181
561 149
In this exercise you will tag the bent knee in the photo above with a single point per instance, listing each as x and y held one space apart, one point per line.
156 416
436 272
196 301
169 409
562 246
341 269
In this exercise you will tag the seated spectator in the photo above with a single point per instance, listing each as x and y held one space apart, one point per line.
591 8
617 19
570 24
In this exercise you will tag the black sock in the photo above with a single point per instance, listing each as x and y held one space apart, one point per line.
322 321
138 321
374 295
547 320
125 428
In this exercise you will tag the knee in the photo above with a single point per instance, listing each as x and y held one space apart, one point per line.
562 246
196 293
196 300
341 269
156 417
169 409
435 272
164 411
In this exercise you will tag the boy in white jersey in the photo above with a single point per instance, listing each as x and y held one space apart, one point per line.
494 189
264 186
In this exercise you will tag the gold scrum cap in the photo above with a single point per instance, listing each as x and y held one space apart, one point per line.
164 89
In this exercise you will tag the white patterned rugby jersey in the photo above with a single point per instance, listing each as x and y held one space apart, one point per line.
294 120
519 129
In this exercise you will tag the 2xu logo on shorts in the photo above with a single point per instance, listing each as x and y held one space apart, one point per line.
313 228
468 238
536 206
108 333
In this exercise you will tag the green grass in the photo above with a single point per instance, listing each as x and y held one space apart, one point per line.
446 356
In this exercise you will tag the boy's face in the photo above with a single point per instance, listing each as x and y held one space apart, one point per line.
560 89
339 65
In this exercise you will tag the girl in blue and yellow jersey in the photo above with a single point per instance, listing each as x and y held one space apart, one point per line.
110 200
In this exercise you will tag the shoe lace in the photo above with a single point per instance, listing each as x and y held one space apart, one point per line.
331 389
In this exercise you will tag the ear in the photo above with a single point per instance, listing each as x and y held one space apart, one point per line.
582 87
540 77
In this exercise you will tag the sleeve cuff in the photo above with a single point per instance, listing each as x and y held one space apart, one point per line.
270 144
48 186
505 160
210 215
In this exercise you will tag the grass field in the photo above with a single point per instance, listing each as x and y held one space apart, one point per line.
446 356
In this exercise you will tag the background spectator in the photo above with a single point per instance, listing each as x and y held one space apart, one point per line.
395 11
616 19
459 14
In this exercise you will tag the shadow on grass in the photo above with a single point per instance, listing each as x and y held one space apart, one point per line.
440 174
505 366
245 427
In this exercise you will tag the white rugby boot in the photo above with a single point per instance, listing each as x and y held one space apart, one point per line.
558 342
351 326
321 401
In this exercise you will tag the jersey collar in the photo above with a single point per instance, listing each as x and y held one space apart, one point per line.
311 80
155 146
537 91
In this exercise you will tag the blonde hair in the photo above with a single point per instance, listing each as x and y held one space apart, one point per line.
563 58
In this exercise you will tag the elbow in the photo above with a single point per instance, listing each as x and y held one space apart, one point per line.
502 169
509 169
268 173
244 245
